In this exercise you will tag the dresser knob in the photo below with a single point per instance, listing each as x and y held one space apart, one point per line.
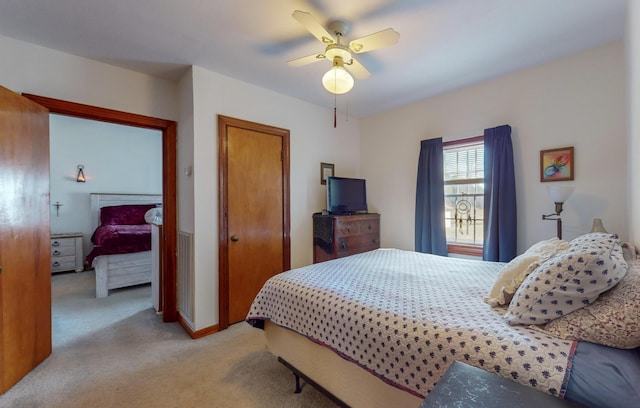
55 243
56 252
55 264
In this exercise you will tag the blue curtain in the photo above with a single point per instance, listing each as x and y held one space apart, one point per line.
430 231
500 223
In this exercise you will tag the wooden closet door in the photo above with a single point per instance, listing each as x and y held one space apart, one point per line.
255 245
25 277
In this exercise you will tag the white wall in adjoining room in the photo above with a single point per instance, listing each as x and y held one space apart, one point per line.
116 159
576 101
313 139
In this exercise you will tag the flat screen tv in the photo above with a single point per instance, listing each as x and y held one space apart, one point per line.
346 195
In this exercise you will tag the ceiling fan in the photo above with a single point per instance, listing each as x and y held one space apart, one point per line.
337 80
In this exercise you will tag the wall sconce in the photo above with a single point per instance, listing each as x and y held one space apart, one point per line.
559 195
80 178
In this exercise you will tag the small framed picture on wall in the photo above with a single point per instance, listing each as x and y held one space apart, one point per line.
326 171
557 164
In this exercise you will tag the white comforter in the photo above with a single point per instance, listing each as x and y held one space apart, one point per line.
406 316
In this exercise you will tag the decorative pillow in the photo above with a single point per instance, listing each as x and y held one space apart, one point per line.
129 214
568 281
613 320
513 274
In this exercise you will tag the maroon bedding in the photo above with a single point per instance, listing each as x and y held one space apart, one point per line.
128 214
123 231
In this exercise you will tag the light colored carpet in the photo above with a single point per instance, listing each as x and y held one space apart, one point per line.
116 352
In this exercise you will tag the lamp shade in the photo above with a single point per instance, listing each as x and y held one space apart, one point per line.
560 194
337 80
597 226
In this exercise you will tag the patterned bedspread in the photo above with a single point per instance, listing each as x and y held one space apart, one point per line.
406 316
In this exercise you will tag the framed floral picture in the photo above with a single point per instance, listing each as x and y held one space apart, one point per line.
557 164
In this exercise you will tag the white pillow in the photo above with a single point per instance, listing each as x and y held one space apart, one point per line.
514 273
154 216
569 281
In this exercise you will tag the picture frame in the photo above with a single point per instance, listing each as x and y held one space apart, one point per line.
557 164
326 171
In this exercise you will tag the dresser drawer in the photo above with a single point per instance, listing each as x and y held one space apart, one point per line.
63 263
57 251
63 242
347 228
356 244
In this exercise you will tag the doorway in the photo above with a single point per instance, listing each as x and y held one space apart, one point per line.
168 129
254 219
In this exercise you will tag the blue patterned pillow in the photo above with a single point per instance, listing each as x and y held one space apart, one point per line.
570 280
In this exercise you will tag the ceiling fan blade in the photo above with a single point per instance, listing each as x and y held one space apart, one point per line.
313 26
298 62
374 41
357 69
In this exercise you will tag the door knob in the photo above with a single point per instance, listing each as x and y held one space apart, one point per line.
235 238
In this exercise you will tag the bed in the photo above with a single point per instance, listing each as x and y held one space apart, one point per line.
379 329
121 253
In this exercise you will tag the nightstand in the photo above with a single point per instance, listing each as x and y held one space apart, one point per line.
66 252
464 386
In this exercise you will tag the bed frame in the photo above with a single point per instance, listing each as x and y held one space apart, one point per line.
345 383
121 270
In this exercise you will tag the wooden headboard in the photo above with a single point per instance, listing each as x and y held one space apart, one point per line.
99 200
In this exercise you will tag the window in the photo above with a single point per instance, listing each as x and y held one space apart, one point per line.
464 195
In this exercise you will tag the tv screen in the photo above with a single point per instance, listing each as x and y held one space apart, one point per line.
346 195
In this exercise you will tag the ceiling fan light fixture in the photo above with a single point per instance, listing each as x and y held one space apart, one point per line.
337 80
335 50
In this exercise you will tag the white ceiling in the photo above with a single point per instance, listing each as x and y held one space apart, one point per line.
444 44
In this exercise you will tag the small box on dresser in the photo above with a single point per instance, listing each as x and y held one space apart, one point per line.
336 236
66 252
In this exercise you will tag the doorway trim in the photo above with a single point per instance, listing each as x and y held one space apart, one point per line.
169 227
224 122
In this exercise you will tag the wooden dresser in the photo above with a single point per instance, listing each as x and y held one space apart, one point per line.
336 236
66 252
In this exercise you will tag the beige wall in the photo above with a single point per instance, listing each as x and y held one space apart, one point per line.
576 101
28 68
312 140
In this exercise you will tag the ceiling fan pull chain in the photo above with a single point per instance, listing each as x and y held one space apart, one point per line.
335 96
